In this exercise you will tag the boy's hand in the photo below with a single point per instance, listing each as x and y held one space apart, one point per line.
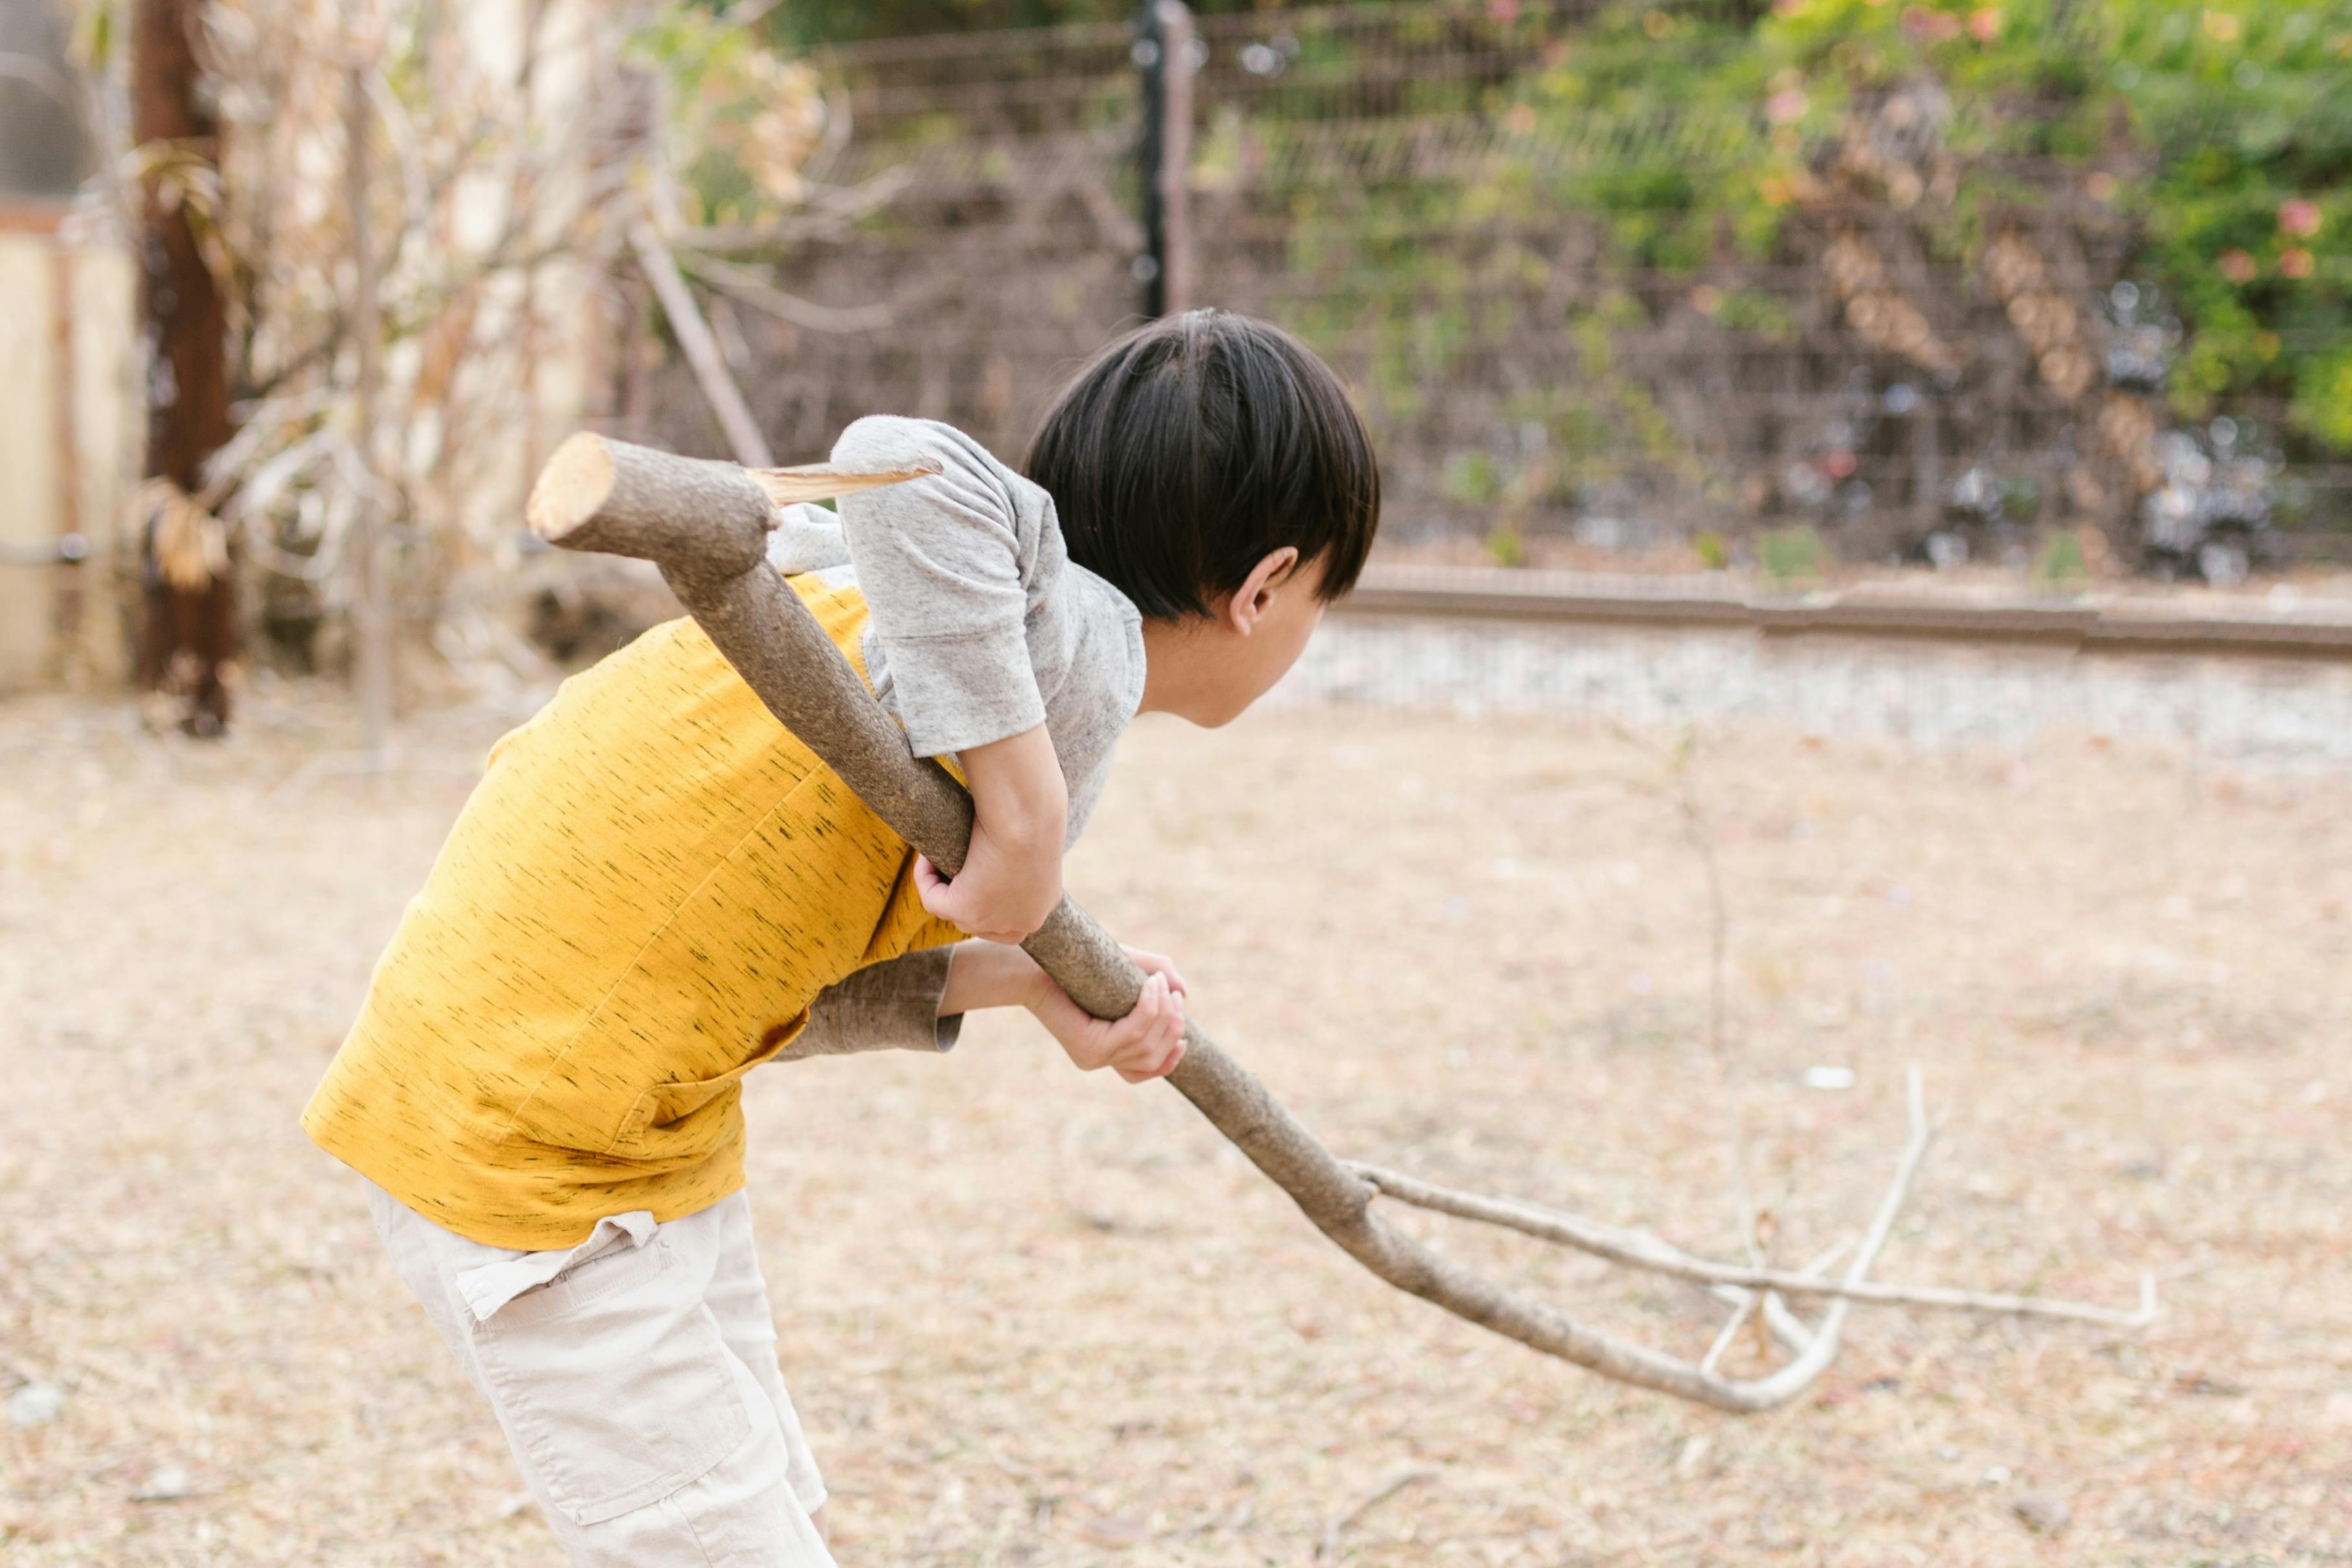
1146 1043
1012 875
1000 894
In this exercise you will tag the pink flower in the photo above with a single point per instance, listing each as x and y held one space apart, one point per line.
1984 25
2294 261
2299 216
1929 26
2237 267
1786 105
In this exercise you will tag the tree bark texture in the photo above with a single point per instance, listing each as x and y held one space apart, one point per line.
706 525
188 630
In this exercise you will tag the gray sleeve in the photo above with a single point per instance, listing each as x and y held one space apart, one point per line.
886 1006
950 565
807 538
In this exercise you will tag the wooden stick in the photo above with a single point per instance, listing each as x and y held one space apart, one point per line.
1327 1545
743 283
1635 1250
819 481
1730 1332
705 525
719 388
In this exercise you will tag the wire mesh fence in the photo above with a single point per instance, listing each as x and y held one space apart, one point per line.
1553 298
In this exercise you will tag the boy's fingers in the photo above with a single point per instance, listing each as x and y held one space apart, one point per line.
1138 1039
1159 1063
1158 963
1164 1046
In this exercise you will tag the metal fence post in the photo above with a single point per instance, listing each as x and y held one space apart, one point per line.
1166 49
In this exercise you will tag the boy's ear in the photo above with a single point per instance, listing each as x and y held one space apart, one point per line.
1250 600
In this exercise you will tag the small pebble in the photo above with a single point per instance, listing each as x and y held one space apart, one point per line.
2041 1513
36 1405
165 1483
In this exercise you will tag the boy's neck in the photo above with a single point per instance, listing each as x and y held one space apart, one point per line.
1169 676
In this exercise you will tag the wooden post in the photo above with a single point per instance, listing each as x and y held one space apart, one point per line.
1181 45
67 605
370 615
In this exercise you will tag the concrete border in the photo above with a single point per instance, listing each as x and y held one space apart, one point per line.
1481 593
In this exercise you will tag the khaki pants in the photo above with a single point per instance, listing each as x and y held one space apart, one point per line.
635 1378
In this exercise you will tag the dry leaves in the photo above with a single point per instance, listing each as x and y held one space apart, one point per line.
1036 1318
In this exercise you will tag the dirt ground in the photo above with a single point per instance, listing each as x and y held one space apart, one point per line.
1034 1317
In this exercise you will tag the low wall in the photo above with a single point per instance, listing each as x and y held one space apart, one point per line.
69 442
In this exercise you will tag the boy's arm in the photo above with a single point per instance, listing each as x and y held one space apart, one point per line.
1146 1043
1012 875
897 1005
917 1002
948 563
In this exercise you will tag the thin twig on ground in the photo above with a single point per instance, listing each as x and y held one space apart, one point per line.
1327 1545
1635 1249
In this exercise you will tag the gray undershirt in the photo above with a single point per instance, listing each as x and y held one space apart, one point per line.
979 628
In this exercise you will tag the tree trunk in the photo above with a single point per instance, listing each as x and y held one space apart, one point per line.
189 629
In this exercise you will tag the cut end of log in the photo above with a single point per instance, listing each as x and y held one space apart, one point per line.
822 481
571 488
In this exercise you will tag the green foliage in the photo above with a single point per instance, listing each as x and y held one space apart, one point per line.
2224 128
1754 311
2061 565
1691 135
742 118
2323 401
1793 557
1470 479
1507 546
1713 554
2248 219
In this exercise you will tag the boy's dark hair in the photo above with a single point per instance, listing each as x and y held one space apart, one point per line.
1195 445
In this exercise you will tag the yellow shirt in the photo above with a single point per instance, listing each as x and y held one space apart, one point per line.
650 884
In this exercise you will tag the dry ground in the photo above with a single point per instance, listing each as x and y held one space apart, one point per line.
1032 1317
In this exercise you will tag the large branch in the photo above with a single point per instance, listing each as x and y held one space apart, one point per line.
705 524
1635 1250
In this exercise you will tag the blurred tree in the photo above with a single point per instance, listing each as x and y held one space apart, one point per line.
189 631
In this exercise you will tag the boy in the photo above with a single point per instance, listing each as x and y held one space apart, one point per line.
656 888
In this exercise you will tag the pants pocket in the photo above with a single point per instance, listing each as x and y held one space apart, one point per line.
613 1381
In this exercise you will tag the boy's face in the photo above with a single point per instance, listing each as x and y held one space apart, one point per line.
1210 668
